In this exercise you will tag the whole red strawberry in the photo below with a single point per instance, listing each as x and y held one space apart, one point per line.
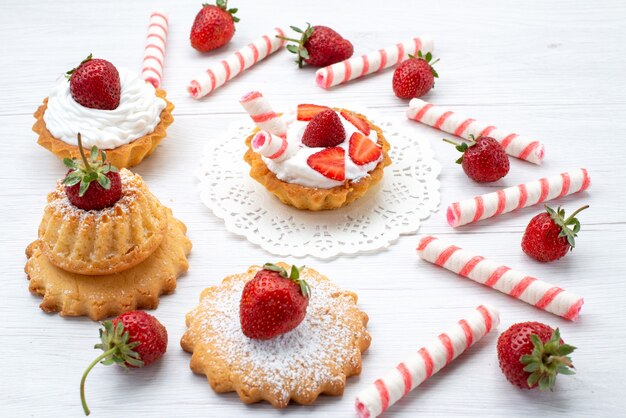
92 184
324 130
213 27
133 339
415 76
319 46
483 160
95 84
273 302
531 354
548 236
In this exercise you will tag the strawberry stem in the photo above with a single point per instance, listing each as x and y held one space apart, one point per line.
82 154
449 141
98 359
576 212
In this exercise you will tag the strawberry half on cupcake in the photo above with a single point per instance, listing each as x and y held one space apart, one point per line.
113 108
324 158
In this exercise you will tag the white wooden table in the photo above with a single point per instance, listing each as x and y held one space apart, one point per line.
554 70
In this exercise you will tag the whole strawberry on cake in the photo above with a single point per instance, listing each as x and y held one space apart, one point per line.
314 157
105 243
277 333
113 108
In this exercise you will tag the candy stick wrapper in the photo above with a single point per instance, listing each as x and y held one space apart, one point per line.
261 112
453 123
154 53
535 292
520 196
371 62
233 65
427 361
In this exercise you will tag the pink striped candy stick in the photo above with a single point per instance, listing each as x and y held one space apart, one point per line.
260 110
371 62
535 292
427 361
271 146
520 196
453 123
233 65
154 53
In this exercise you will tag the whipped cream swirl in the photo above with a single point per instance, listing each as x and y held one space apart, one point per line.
137 115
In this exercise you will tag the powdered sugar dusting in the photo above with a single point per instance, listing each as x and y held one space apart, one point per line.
132 185
315 356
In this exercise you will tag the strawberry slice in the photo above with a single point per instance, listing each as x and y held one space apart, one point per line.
330 162
308 111
363 150
357 121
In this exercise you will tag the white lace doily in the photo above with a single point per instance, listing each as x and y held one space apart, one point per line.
407 194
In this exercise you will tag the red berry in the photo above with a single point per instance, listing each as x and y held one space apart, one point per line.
414 77
213 27
363 150
96 197
95 84
324 130
543 359
273 302
92 184
133 339
358 122
308 111
148 332
330 162
483 160
548 236
320 46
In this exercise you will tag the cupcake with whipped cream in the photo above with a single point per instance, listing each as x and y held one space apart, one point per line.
323 158
113 109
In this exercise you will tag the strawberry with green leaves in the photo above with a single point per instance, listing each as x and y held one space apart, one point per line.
273 302
549 235
95 84
92 183
133 339
319 46
484 159
532 354
213 27
414 77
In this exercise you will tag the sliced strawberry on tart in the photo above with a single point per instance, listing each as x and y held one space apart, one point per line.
327 159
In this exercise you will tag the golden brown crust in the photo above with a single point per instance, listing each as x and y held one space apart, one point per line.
106 241
100 297
125 156
314 199
313 359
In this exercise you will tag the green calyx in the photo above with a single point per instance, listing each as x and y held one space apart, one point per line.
429 59
223 4
462 147
558 216
547 361
68 74
293 275
88 170
299 49
117 350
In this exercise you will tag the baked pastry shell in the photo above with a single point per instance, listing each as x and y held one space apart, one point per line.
316 199
124 156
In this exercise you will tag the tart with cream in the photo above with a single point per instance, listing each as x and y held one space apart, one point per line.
114 109
327 158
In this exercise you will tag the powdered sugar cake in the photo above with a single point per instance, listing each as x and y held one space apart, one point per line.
314 358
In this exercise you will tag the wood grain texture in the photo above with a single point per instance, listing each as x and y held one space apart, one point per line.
554 70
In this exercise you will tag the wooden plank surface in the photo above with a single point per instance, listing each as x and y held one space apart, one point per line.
554 70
